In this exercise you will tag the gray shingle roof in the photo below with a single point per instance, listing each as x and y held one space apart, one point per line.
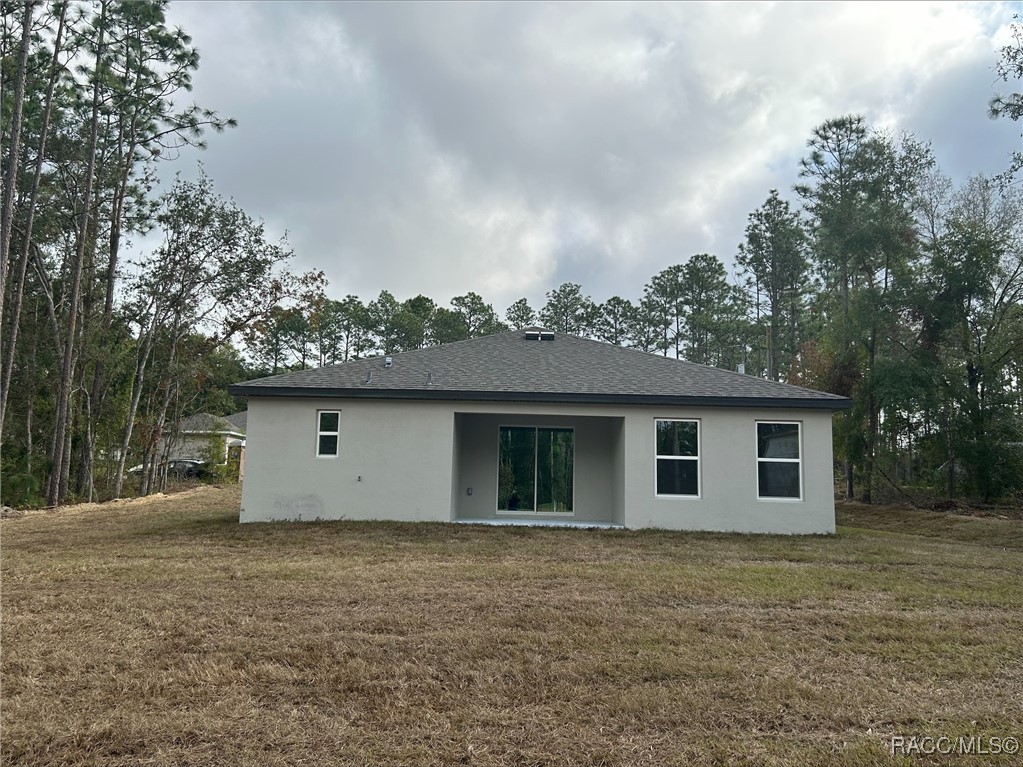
506 367
238 420
208 423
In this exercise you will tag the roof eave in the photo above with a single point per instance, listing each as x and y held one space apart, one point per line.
798 403
212 432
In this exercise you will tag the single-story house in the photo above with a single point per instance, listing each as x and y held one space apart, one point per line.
536 427
207 437
238 421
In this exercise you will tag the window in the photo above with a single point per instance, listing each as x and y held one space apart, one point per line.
535 469
328 432
677 447
778 461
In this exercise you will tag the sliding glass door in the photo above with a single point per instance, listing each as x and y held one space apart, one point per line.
536 469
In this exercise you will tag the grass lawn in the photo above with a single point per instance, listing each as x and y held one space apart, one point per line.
164 633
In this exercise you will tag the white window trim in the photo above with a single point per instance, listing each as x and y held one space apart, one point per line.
799 460
553 514
697 458
321 433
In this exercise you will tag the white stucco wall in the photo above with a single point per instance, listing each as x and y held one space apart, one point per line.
728 474
201 447
394 463
417 459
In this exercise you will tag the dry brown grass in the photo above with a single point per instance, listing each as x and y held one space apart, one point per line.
165 633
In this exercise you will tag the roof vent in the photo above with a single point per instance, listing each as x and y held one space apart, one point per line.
537 334
388 361
369 377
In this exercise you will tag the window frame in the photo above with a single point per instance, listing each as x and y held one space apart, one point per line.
798 461
697 458
497 477
327 433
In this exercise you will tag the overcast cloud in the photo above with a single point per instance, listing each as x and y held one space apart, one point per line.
507 148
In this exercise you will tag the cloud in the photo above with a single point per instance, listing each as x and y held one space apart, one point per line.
508 147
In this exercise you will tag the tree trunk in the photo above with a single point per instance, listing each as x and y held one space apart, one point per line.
86 479
870 448
141 362
61 427
98 390
850 493
28 437
161 418
7 363
65 466
950 464
30 400
873 421
11 177
83 475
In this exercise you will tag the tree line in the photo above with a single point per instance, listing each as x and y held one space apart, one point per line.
879 279
886 284
101 356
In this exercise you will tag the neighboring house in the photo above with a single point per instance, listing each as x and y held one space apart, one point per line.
238 420
531 426
205 437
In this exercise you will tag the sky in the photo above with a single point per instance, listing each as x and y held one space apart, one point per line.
506 148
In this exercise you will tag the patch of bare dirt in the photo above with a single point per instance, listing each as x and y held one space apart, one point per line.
192 495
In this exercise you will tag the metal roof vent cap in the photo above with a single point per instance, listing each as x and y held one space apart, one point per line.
388 361
537 334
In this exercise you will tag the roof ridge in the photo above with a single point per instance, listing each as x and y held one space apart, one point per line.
505 364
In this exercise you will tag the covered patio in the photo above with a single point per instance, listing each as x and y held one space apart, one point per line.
538 470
